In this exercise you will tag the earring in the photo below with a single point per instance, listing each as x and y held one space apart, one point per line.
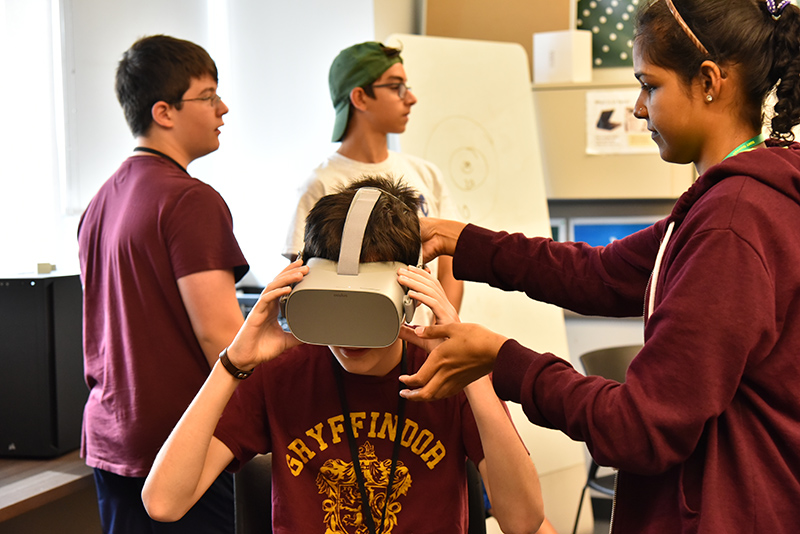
709 98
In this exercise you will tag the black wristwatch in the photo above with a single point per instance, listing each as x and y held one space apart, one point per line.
232 369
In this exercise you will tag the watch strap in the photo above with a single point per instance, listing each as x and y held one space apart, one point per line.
232 369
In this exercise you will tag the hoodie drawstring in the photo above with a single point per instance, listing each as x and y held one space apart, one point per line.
654 278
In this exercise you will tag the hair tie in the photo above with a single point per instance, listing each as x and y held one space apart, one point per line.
777 9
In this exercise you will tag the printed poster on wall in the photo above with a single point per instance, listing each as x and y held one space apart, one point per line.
611 127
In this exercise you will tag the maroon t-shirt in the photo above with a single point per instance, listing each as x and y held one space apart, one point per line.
291 407
149 225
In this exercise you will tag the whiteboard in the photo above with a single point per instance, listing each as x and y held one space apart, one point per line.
475 120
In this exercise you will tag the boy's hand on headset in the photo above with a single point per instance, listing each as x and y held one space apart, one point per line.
425 289
261 337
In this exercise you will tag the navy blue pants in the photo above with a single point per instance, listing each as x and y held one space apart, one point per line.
122 511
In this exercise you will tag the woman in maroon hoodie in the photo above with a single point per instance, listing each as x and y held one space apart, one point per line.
705 431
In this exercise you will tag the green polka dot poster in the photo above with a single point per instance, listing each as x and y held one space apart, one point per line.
611 24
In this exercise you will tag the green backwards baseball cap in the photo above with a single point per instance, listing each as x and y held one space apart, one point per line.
356 66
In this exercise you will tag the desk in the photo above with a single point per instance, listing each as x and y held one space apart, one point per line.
29 484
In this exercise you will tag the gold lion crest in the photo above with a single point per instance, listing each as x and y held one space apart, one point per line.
342 505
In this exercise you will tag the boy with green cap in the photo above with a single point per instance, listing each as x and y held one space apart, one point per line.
369 93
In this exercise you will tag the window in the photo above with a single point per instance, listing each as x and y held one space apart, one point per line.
30 159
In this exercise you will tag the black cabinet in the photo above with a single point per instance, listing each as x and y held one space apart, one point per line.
42 390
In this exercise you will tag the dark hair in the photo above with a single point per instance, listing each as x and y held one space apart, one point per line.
158 68
737 33
392 232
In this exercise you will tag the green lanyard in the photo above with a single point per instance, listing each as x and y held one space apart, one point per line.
747 145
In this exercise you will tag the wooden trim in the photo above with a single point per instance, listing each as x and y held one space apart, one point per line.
29 484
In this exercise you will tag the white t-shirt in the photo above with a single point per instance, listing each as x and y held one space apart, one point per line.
338 170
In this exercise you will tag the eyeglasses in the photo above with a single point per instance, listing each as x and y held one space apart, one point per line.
400 87
213 100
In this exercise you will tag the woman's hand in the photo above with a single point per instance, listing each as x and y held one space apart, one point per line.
261 337
466 354
439 237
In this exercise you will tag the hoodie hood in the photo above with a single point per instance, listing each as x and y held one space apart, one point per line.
776 166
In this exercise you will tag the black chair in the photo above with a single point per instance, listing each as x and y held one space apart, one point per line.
252 490
611 363
477 511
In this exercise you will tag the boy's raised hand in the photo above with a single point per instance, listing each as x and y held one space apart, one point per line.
261 337
426 289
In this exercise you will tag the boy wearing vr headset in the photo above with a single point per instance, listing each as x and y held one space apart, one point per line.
367 83
342 438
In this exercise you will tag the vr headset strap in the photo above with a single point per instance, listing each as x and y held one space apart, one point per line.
354 226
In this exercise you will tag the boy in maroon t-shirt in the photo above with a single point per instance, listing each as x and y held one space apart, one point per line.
159 263
341 436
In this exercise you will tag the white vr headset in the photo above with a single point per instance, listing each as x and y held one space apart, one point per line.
347 304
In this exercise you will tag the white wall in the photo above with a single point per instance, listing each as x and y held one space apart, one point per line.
281 117
397 16
30 219
273 58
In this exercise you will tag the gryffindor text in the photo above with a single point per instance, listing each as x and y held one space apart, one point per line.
377 425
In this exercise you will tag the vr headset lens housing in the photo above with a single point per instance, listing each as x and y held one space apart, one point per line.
347 304
365 310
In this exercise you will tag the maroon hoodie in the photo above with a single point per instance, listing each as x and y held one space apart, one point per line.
705 431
